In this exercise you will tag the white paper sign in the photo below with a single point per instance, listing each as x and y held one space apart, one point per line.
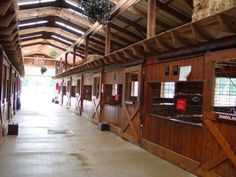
184 73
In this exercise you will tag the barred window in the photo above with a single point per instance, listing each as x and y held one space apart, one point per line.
167 90
225 92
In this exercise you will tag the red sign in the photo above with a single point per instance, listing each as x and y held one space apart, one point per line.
181 104
57 86
116 97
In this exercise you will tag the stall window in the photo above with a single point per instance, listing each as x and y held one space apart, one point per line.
131 86
87 90
63 90
167 89
73 88
78 87
178 100
225 87
113 94
68 86
225 92
96 86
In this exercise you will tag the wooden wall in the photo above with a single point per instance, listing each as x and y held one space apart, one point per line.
206 149
10 90
212 145
112 113
87 105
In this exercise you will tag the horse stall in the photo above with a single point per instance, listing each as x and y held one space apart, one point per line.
121 101
87 88
10 91
189 112
61 91
75 94
112 94
66 96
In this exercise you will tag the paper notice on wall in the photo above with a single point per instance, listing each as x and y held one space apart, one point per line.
184 73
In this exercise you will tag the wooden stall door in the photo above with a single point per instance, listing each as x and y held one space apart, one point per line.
219 156
78 104
96 98
131 105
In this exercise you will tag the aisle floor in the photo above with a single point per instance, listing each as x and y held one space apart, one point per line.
42 150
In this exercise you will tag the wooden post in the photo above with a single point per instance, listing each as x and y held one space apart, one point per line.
14 94
66 61
56 67
81 93
86 49
108 39
151 18
60 65
1 75
9 93
74 55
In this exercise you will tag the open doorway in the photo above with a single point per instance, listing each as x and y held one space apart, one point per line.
37 89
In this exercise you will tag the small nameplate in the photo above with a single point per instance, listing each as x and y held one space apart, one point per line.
226 117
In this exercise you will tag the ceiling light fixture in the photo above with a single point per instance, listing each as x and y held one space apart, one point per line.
69 27
61 39
34 2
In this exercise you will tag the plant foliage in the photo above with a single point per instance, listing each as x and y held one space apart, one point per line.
98 10
53 54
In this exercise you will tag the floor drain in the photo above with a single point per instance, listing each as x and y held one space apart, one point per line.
59 132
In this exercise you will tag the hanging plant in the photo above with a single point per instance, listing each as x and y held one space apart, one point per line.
98 10
43 69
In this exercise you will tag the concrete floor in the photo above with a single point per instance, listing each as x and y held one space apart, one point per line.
83 152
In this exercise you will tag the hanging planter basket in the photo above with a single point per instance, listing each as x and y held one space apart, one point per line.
98 10
43 70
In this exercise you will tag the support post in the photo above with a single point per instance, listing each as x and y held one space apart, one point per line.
9 93
60 65
66 61
108 39
151 18
86 49
74 55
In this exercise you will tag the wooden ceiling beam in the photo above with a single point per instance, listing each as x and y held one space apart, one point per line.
138 51
57 3
48 11
140 29
125 31
143 15
137 12
102 38
172 11
9 30
199 34
190 3
6 20
9 38
227 23
120 7
4 6
51 23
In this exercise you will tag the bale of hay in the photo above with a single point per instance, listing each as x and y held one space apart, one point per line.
93 57
216 6
199 9
203 8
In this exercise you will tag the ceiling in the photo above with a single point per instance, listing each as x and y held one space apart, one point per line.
55 25
9 34
37 29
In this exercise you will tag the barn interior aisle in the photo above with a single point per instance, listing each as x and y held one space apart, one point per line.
117 88
55 142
